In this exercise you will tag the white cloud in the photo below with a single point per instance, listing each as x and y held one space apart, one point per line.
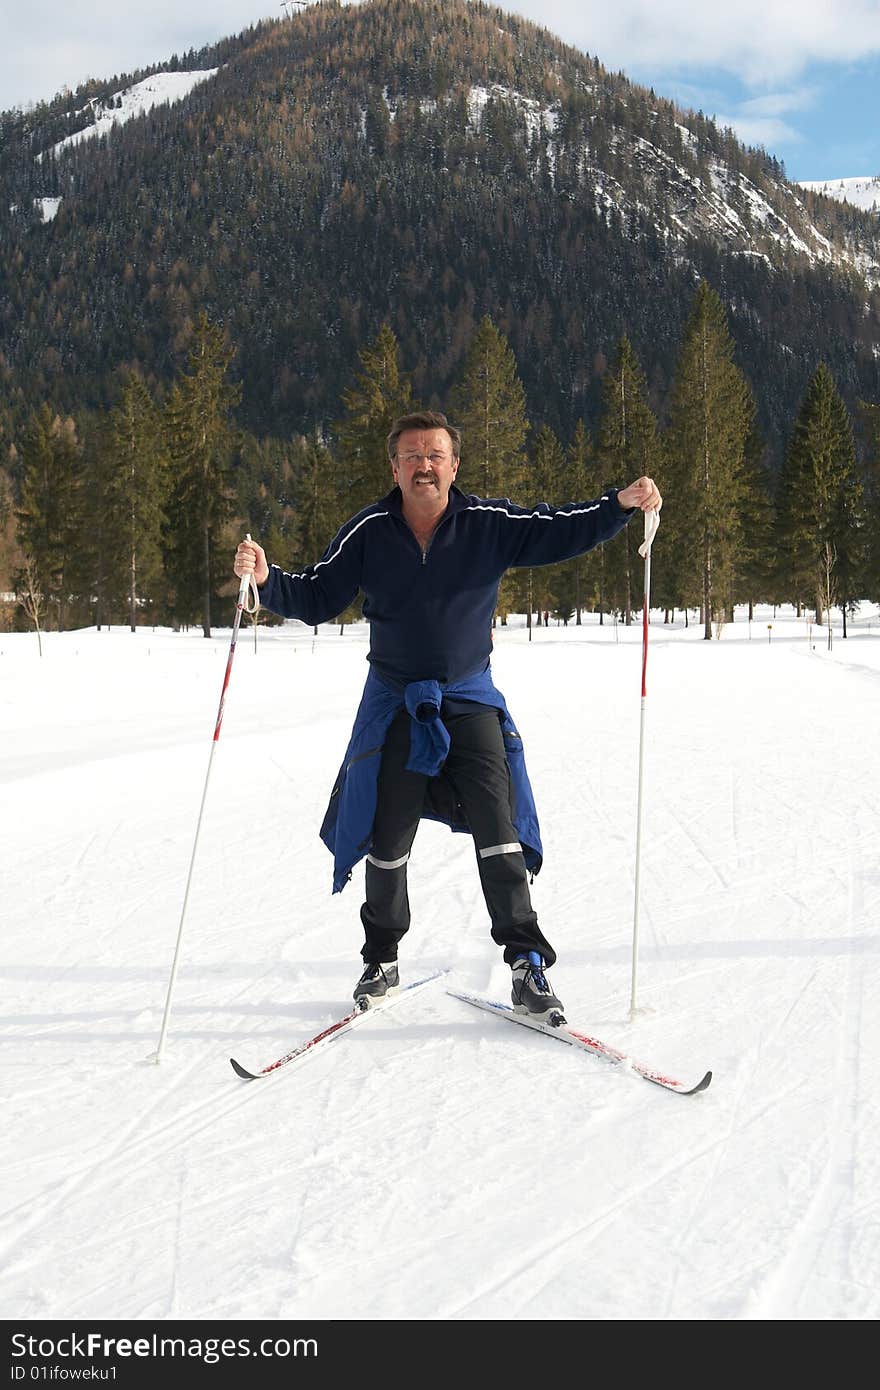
57 47
765 132
779 103
761 42
758 41
761 120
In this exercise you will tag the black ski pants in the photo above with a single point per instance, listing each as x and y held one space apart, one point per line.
476 766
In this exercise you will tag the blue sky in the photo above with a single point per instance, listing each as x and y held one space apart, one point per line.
799 77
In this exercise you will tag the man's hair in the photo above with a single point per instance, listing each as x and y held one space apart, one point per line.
423 420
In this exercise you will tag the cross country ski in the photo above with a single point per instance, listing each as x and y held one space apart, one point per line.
334 1030
564 1033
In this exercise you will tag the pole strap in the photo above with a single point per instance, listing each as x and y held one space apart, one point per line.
249 595
248 586
652 521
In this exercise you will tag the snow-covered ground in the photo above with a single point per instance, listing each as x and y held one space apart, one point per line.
437 1163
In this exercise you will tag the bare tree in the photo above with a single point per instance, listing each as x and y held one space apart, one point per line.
31 598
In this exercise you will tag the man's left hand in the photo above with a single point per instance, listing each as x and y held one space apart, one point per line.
641 494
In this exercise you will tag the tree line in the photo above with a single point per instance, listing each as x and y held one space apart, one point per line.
132 514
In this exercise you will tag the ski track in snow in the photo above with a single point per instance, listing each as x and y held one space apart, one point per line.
436 1163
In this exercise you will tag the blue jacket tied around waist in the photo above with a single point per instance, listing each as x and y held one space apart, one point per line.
348 825
430 612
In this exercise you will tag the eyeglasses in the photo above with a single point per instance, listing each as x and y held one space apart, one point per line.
434 458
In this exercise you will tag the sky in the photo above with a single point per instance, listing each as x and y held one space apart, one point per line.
799 77
438 1163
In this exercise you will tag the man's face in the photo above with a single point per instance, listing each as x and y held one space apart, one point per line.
424 468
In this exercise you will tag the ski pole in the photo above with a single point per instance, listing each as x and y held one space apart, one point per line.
652 521
241 606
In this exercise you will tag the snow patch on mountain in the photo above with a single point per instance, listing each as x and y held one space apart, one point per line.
538 118
861 193
160 89
47 208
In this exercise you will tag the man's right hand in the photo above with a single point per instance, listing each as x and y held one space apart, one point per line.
250 558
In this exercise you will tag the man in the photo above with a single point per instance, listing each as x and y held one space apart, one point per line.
433 736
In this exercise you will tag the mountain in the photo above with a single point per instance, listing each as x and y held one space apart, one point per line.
423 163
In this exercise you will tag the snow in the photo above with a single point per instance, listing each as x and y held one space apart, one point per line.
538 119
48 210
438 1164
156 90
860 192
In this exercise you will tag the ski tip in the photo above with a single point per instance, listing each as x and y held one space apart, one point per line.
241 1071
701 1085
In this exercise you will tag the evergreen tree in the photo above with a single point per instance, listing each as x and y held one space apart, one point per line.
870 421
821 501
848 517
489 407
582 486
265 485
139 449
380 394
545 485
628 447
49 507
711 414
201 438
755 580
103 527
318 511
8 544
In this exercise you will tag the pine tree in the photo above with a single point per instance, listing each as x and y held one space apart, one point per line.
8 547
582 485
103 527
201 438
711 413
139 448
869 413
821 501
489 407
265 486
848 519
628 447
546 484
380 394
49 507
755 580
318 511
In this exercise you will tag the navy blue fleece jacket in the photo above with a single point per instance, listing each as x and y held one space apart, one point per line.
430 613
